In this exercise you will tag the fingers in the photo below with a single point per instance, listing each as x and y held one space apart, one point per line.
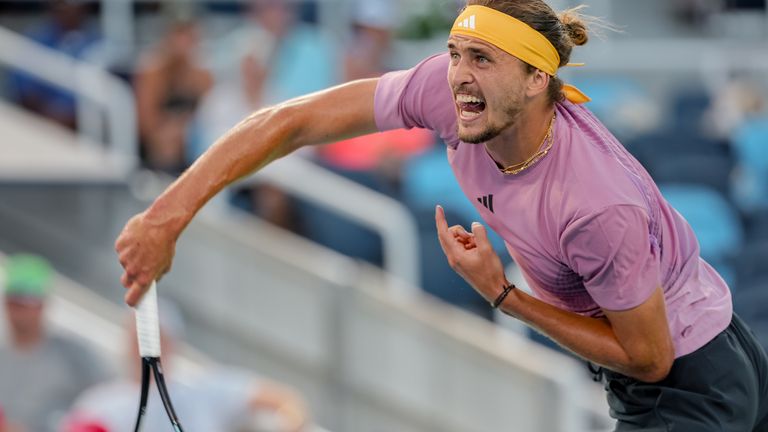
124 239
120 243
462 236
135 278
442 224
130 274
124 256
444 234
442 228
455 232
137 285
458 232
135 293
126 280
480 235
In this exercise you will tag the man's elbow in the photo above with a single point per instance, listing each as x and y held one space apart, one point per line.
655 373
655 368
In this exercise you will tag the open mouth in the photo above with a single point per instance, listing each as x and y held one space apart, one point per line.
470 107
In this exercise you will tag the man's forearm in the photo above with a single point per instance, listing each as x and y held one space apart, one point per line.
245 148
590 338
337 113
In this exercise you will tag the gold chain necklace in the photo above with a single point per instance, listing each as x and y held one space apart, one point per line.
548 139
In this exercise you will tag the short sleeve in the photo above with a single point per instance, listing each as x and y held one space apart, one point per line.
418 97
615 255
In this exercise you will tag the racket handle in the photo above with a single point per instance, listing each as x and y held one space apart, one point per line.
147 323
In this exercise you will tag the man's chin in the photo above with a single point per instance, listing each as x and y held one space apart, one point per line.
476 137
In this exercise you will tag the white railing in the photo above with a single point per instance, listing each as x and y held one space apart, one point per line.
385 215
388 217
90 83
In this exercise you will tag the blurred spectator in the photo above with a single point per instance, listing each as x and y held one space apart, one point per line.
373 23
273 58
375 160
65 29
379 156
623 104
220 399
736 101
238 90
40 372
170 82
301 58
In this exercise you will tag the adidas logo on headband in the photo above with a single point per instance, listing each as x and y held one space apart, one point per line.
468 23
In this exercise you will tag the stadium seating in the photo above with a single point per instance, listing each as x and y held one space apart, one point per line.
749 303
715 222
712 171
750 265
751 185
688 107
757 225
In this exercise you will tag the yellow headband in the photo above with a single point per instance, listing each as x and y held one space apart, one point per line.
516 38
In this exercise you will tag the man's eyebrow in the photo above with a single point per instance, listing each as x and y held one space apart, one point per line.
474 50
481 51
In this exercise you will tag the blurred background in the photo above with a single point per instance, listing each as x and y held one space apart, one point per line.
319 282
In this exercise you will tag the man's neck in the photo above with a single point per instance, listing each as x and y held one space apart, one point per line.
518 143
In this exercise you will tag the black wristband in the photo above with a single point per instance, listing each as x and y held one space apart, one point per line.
496 303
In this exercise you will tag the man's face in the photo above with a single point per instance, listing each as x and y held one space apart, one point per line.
488 88
25 316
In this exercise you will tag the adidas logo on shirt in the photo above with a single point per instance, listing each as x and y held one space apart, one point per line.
468 23
486 201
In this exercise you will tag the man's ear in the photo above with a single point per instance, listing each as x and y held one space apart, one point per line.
538 82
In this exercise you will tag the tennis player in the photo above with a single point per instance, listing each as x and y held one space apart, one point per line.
616 271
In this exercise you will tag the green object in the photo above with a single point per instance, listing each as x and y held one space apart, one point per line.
27 276
435 22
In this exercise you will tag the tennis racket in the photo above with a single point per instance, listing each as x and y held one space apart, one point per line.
148 332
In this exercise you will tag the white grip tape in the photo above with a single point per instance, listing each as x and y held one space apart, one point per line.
147 324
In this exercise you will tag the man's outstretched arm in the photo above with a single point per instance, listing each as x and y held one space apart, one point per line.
147 243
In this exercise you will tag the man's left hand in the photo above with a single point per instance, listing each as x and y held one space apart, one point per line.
471 255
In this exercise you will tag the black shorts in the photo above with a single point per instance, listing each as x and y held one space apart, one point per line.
722 386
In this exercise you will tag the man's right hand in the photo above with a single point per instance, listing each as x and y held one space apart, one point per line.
145 249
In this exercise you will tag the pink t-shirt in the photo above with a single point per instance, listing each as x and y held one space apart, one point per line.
586 224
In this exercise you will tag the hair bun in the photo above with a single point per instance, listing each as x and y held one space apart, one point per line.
575 26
